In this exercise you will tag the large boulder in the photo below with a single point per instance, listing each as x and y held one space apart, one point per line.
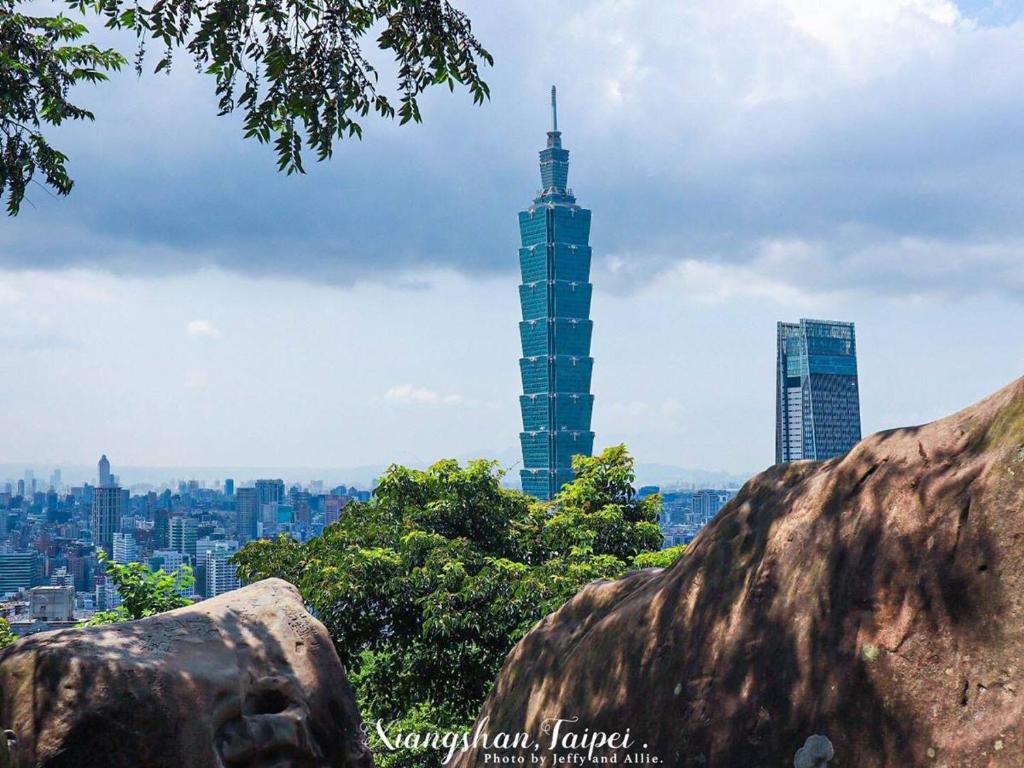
245 680
872 602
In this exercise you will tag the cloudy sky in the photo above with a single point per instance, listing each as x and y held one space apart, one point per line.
747 161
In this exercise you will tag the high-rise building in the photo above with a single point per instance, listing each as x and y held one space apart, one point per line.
269 491
109 503
19 570
168 559
554 259
104 472
221 576
161 528
124 548
817 401
301 502
172 561
247 514
183 535
333 505
706 503
106 595
229 487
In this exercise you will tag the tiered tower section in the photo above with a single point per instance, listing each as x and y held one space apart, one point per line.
556 366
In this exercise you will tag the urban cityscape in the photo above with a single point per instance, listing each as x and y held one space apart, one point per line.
458 385
51 572
52 534
51 575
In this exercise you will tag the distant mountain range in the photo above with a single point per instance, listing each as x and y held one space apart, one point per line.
669 476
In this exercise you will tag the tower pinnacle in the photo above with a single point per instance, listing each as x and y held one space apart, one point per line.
554 111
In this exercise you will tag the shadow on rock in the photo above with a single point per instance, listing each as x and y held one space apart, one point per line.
871 599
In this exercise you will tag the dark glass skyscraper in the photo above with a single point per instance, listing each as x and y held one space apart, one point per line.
817 398
554 257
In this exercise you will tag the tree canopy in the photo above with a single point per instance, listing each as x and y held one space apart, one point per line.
297 69
427 587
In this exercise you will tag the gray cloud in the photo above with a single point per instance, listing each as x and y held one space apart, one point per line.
882 155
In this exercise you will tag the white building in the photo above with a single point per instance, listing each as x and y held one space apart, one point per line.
52 603
169 559
183 535
125 550
220 574
106 594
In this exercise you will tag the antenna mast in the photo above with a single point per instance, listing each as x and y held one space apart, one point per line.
554 111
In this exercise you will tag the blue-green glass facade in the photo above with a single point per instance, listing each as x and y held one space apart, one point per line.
554 259
817 395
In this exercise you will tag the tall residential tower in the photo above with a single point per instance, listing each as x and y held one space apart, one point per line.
103 472
817 398
554 257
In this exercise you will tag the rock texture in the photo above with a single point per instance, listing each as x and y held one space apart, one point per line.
245 680
875 600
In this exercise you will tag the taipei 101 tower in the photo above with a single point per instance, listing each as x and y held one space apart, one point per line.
554 257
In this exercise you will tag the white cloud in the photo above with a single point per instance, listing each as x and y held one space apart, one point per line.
203 329
909 267
34 285
706 281
411 394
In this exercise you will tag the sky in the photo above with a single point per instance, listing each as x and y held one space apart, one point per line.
746 161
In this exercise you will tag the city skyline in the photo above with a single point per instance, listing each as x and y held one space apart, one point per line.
142 478
56 545
326 320
53 542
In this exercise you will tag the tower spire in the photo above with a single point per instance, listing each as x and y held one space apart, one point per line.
554 160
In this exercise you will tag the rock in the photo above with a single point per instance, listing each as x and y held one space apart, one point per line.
875 598
245 680
816 752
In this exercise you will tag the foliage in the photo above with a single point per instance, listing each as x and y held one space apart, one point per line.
427 587
600 508
663 558
6 636
296 69
40 61
143 591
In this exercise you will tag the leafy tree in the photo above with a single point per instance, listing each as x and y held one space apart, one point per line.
6 636
40 61
143 591
663 558
427 587
297 69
